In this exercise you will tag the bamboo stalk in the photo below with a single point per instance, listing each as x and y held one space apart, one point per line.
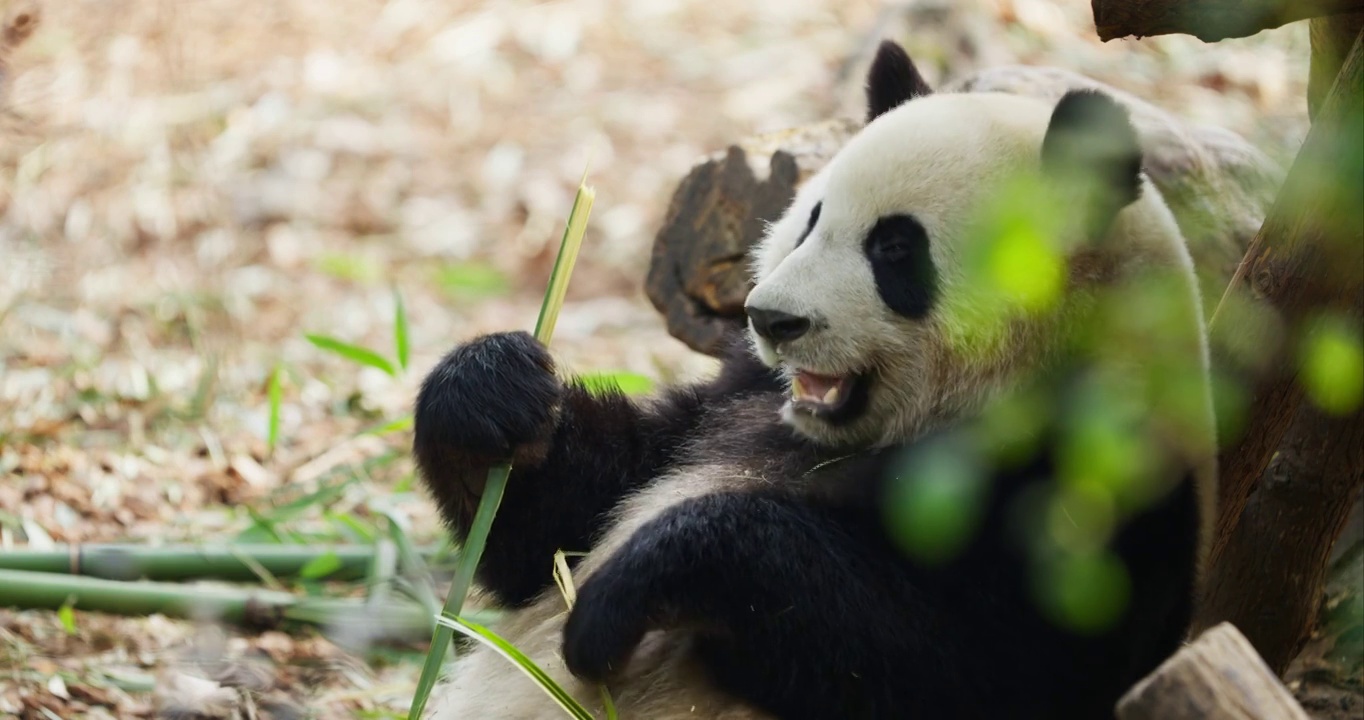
472 549
191 562
246 607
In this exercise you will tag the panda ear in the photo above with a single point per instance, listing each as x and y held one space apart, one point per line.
1092 148
892 80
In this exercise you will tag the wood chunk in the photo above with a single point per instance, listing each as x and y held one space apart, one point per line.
1217 677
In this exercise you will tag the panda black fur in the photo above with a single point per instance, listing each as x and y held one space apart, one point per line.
739 563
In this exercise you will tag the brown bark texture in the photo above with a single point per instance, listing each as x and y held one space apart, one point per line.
1207 20
1216 677
1277 524
1331 38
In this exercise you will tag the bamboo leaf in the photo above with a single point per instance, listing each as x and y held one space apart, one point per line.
354 353
67 615
555 691
391 426
563 264
465 281
363 531
320 566
276 395
411 563
259 571
626 382
563 577
400 339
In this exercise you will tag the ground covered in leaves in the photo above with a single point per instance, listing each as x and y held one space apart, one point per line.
189 189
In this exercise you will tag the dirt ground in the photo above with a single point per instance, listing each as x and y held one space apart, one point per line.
191 187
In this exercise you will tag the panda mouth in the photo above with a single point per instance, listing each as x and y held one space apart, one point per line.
823 395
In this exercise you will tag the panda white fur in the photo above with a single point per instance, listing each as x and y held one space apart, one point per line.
739 561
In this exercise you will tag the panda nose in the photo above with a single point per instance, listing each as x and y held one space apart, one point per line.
776 325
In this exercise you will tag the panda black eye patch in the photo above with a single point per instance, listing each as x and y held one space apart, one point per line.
814 218
906 279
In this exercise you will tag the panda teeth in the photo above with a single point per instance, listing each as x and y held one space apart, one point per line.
831 397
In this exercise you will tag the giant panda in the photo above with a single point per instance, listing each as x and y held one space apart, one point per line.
741 553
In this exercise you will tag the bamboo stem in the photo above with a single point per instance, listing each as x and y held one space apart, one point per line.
191 562
246 607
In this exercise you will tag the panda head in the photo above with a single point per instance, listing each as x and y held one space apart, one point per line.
858 285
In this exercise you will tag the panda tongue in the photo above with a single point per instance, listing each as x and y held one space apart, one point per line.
821 389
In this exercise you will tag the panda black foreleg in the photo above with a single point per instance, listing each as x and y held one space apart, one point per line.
574 453
779 593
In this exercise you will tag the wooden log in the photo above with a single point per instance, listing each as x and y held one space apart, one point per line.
1218 186
1268 558
1207 20
1217 677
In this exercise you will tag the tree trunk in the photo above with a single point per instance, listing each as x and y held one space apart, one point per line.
1207 20
1331 38
1269 555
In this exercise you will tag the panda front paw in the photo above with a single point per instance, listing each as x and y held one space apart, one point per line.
492 396
605 626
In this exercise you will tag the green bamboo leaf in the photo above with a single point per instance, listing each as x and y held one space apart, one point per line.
355 268
400 340
363 531
67 615
354 353
320 566
626 382
555 691
411 563
467 281
391 426
276 395
262 529
383 572
563 264
608 703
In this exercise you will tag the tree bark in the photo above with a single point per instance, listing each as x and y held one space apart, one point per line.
1217 677
1268 557
1272 570
1207 20
1331 38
